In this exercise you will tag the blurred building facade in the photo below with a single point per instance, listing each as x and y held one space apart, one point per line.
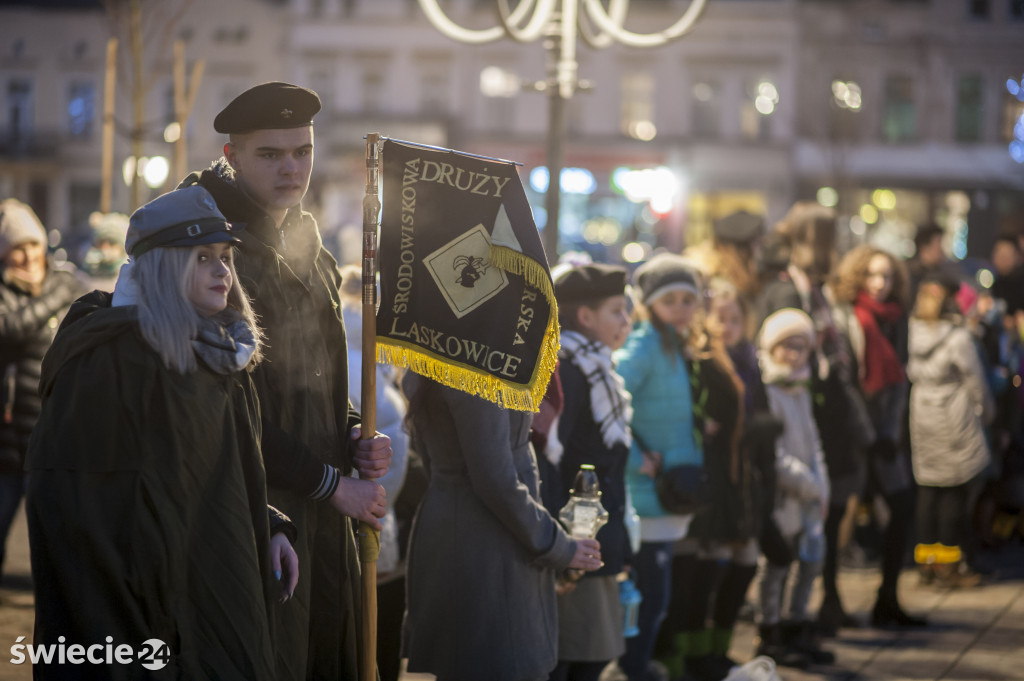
896 111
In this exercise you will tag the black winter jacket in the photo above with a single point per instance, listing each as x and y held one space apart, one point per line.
27 326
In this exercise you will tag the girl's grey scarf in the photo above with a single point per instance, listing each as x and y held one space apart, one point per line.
224 342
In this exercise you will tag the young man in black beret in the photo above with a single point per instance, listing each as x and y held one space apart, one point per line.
310 430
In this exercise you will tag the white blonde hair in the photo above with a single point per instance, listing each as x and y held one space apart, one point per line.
168 319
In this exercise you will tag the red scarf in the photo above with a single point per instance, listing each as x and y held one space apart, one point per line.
881 365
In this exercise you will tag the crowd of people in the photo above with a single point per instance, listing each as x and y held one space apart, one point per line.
189 436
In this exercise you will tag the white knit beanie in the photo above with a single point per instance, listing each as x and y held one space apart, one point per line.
18 225
783 324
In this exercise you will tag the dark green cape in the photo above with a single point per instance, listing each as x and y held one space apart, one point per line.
303 390
147 506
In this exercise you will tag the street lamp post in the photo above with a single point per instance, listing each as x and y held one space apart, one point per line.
558 21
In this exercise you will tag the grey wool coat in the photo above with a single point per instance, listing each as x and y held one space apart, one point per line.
483 551
950 404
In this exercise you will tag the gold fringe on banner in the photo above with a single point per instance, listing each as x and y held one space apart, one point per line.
471 379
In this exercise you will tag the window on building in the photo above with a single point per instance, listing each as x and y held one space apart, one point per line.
81 109
170 115
978 9
499 114
434 82
321 80
760 97
637 107
706 98
231 34
434 91
373 89
82 200
969 100
1013 117
19 108
39 199
899 117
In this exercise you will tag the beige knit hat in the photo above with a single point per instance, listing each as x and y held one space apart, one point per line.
783 324
18 225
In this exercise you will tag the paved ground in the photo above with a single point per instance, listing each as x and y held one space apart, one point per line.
975 634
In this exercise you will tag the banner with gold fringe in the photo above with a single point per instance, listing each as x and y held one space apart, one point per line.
466 295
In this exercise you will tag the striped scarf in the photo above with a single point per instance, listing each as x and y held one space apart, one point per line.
608 397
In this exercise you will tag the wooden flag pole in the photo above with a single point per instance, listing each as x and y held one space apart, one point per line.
184 101
369 538
107 159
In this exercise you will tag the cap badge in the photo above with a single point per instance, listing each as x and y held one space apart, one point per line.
194 230
286 113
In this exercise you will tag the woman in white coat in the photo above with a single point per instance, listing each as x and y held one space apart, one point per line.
950 404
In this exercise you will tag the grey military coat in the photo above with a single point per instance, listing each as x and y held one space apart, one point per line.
484 551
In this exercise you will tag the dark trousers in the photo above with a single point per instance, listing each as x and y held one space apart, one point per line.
390 612
901 518
942 515
12 489
830 570
653 568
577 671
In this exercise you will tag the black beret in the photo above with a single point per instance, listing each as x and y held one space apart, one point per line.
590 282
739 228
269 106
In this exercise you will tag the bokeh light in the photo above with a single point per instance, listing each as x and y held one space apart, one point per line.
985 278
172 133
767 98
960 239
1017 151
497 82
885 199
847 94
634 252
644 131
869 214
155 171
828 197
573 180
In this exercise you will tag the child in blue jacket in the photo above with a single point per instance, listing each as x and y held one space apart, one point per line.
653 363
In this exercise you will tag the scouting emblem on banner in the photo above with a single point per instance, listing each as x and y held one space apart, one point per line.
462 271
466 295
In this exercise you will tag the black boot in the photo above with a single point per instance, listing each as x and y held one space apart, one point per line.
888 613
773 645
832 617
803 638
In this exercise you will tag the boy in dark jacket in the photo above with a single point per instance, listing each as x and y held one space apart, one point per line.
593 428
